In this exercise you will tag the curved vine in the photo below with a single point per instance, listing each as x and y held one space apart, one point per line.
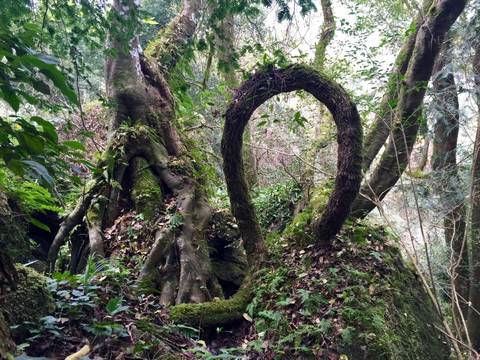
261 86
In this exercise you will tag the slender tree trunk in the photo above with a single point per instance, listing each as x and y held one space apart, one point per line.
446 180
326 36
227 64
473 313
308 174
407 116
382 125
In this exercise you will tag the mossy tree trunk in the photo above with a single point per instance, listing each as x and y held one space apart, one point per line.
400 111
136 164
261 86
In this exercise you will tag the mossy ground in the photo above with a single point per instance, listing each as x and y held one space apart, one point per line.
356 299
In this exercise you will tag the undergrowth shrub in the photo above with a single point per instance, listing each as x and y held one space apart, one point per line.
275 205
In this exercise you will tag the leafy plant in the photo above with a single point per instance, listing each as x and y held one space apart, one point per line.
114 306
207 355
275 205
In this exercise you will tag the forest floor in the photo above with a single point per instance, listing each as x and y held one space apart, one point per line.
308 304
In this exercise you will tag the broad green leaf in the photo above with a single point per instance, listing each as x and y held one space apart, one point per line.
12 100
41 170
47 127
31 99
16 167
114 306
35 143
75 179
33 27
40 86
76 155
59 81
74 145
48 59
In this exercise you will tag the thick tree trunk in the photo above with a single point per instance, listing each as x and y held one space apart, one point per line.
429 38
474 309
142 143
444 164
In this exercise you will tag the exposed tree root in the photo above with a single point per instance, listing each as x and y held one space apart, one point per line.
178 263
215 313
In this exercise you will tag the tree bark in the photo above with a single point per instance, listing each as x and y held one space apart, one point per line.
326 36
446 181
264 84
142 142
227 65
382 125
407 116
473 313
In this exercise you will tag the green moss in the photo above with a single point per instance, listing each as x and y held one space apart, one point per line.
320 198
93 214
146 193
215 313
31 301
365 303
397 323
418 174
299 229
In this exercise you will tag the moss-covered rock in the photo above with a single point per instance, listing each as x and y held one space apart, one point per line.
31 301
357 299
400 324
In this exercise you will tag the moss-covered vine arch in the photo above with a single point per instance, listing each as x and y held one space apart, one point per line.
260 87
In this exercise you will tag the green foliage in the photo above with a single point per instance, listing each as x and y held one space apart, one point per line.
31 146
29 195
275 205
203 353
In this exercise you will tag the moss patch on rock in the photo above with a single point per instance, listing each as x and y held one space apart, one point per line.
299 230
31 301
